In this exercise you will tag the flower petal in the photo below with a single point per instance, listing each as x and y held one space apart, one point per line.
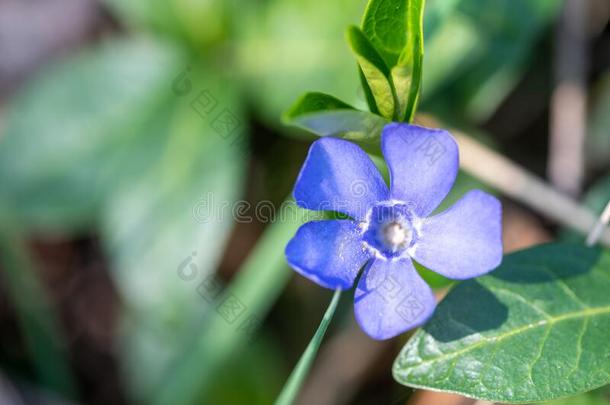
464 241
423 164
392 298
329 253
339 176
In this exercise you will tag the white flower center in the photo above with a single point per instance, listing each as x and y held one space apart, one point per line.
395 234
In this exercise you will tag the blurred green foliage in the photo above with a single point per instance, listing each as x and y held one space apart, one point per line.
478 53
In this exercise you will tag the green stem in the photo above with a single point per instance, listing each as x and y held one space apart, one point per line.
293 385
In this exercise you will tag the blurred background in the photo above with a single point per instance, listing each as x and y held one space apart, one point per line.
143 169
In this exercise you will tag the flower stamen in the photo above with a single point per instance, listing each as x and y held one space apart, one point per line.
395 234
388 231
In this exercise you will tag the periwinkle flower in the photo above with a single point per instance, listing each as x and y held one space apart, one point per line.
389 228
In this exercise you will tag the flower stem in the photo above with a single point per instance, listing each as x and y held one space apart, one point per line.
293 385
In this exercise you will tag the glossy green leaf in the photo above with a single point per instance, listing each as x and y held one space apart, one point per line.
375 71
395 28
535 329
326 115
407 73
315 102
386 24
368 94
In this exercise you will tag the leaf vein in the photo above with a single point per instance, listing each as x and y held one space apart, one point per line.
579 348
589 312
538 356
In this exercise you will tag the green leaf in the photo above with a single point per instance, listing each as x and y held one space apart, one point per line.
407 74
326 115
368 94
298 375
315 102
395 28
375 71
386 24
535 329
65 128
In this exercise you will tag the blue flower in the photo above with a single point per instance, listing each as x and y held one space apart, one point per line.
389 228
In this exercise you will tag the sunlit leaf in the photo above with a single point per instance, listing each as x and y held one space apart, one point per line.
395 28
541 318
375 71
326 115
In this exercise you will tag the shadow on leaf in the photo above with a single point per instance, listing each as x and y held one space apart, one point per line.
546 263
469 309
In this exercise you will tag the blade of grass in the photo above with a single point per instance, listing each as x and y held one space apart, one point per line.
295 381
37 322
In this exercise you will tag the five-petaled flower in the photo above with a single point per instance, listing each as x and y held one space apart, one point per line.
388 228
